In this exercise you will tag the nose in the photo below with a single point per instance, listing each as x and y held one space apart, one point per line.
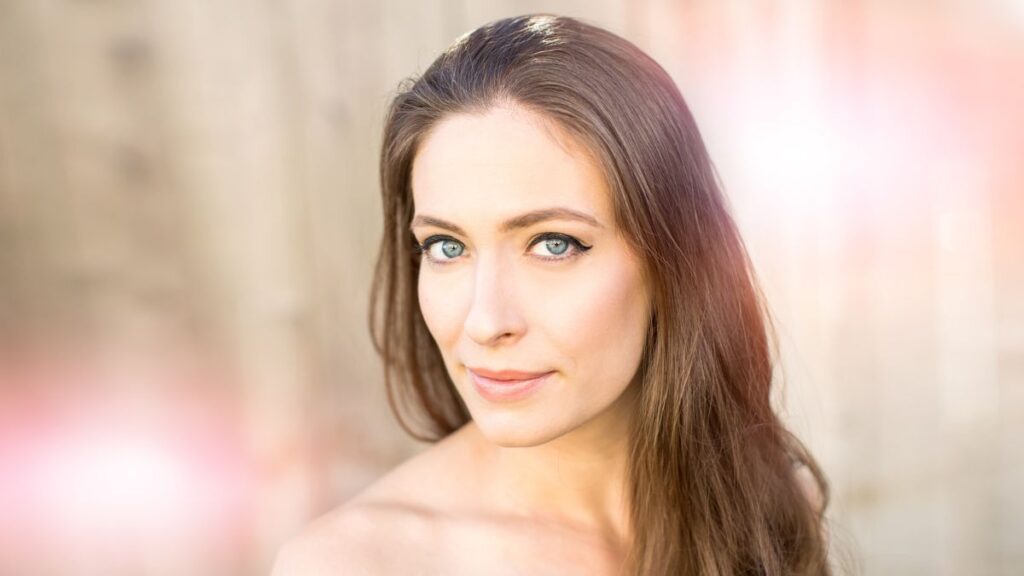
493 316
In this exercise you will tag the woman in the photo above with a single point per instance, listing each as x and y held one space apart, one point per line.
563 301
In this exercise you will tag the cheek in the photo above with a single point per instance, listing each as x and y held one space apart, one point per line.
442 303
600 319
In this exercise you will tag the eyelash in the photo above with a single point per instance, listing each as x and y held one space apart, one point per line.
578 248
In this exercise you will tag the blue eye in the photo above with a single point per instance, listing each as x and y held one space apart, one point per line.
446 249
450 248
558 246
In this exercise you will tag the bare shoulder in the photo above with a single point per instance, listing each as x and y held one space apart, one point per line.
334 543
400 511
357 538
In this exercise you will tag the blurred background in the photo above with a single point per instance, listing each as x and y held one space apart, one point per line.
189 217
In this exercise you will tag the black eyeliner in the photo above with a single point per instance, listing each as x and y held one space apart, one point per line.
579 248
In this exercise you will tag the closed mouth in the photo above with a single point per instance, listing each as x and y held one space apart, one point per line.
507 376
508 390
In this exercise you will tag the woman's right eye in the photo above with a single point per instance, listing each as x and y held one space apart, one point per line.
441 249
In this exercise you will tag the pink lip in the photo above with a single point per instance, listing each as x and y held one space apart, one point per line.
506 385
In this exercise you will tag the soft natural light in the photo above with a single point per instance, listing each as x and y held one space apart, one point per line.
119 479
103 480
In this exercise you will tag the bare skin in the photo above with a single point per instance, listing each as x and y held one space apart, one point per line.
433 515
535 486
443 512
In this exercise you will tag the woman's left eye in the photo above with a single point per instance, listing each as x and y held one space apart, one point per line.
557 246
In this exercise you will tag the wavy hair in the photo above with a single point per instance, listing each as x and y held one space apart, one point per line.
711 478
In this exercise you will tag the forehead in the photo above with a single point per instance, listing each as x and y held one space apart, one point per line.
505 161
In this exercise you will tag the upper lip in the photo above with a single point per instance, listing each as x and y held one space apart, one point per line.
507 374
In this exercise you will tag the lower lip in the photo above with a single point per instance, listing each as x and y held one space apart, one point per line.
506 390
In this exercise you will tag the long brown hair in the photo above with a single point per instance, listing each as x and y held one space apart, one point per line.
711 478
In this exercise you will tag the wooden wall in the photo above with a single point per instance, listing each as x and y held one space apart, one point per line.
202 175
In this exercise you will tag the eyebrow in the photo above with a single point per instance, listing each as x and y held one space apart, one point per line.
515 223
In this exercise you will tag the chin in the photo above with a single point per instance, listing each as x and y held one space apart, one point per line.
512 430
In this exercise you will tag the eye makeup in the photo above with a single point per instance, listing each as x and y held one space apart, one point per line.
572 245
573 248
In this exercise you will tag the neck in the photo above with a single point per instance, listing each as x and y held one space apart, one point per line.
579 478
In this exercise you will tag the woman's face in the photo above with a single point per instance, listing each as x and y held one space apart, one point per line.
524 270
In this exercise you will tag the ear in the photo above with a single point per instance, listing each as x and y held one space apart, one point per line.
809 486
